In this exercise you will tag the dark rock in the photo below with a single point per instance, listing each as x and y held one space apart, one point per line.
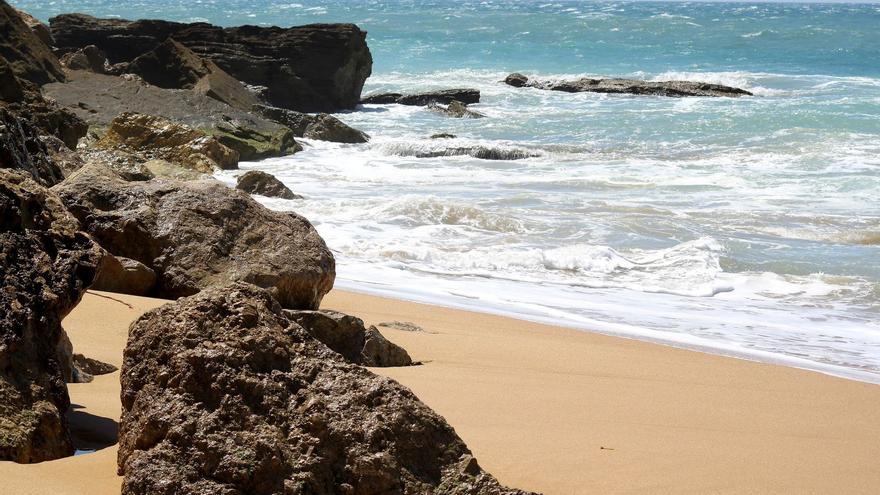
314 68
124 276
156 137
40 29
477 151
257 182
90 58
629 86
221 394
455 109
323 127
348 336
443 97
30 58
93 366
22 149
98 99
443 135
11 89
174 66
47 265
201 233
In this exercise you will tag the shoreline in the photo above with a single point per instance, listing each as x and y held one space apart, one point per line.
554 409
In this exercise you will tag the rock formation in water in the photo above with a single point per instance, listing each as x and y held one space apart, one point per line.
443 97
202 233
222 394
313 68
257 182
46 266
455 109
323 127
628 86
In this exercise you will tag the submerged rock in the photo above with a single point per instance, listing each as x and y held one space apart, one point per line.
201 233
222 394
257 182
314 68
455 109
443 97
47 265
629 86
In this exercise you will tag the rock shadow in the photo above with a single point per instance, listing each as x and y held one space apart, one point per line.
90 432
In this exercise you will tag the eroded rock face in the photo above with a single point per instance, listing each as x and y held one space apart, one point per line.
22 149
442 97
257 182
314 68
201 233
30 57
223 395
629 86
46 266
348 336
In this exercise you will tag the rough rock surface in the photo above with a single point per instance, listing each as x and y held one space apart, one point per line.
223 395
98 99
629 86
348 336
47 265
30 57
314 68
40 29
22 149
124 276
201 233
88 58
156 137
455 109
443 97
323 127
257 182
174 66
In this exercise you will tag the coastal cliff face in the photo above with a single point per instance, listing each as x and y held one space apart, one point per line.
313 68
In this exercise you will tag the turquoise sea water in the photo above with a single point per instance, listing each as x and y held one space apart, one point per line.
743 226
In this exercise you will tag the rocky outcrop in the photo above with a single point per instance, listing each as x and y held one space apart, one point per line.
30 58
124 276
257 182
40 29
98 99
201 233
47 265
348 336
89 58
155 137
629 86
323 127
174 66
455 109
222 394
443 97
22 149
314 68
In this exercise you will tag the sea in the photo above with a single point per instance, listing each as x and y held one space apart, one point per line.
747 226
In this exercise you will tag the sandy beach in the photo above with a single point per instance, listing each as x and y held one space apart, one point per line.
551 409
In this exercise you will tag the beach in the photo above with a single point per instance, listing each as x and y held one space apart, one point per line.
551 409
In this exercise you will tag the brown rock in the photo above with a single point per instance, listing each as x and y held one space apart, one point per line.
198 234
47 265
326 127
22 149
40 29
124 276
222 394
629 86
30 58
257 182
90 58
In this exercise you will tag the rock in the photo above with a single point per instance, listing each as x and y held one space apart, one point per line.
221 394
98 99
124 276
11 89
30 58
201 233
443 135
40 29
156 137
314 68
89 58
348 336
629 86
93 366
257 182
22 149
455 109
174 66
323 127
480 152
443 97
47 265
405 326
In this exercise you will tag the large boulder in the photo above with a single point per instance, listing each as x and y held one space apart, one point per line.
348 336
258 182
99 98
314 68
223 395
174 66
323 127
21 148
46 266
155 137
628 86
201 233
30 57
443 97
